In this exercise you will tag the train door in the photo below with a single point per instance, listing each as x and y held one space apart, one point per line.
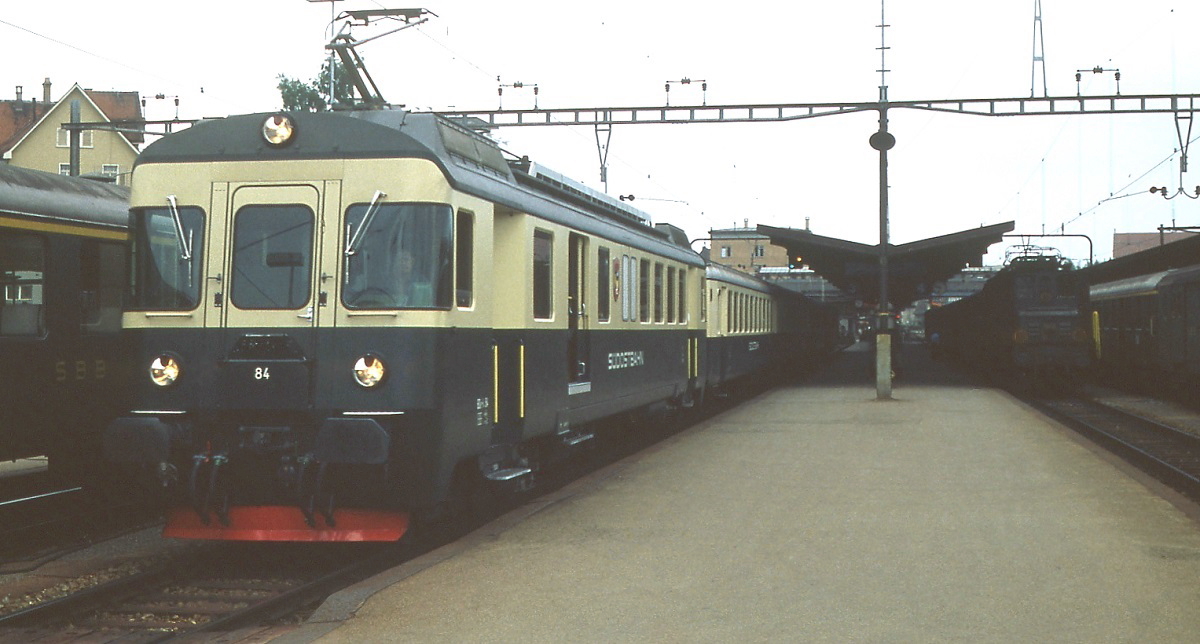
578 340
268 300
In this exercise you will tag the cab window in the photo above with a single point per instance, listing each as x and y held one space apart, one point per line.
399 256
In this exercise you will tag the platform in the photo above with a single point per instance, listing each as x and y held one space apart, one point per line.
816 513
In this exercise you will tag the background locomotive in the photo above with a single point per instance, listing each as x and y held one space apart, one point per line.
62 268
341 320
1031 319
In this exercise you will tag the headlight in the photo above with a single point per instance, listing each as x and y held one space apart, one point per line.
278 129
164 370
369 371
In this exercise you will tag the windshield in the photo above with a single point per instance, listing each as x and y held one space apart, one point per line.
272 257
163 280
403 258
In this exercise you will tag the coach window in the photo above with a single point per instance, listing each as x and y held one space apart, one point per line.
644 291
603 283
22 270
464 259
272 257
166 258
402 260
670 295
658 292
543 249
101 270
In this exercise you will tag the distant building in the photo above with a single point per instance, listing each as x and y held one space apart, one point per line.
32 136
746 249
1130 243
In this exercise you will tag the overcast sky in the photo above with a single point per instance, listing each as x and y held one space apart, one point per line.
947 172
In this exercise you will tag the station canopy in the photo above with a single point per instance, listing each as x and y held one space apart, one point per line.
913 268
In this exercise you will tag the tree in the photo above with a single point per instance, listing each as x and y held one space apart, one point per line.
313 96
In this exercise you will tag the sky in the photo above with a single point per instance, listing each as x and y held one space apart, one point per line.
1082 175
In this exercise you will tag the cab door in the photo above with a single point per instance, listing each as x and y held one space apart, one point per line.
270 302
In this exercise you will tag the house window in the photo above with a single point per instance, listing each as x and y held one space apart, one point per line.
760 251
85 139
726 251
64 169
110 170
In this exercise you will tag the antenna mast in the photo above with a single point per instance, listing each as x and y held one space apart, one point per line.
1039 51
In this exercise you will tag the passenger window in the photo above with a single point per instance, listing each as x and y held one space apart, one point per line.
464 260
671 295
543 247
602 282
644 291
22 275
658 292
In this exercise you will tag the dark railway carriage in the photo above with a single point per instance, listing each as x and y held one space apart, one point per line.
1149 327
1031 318
62 266
342 319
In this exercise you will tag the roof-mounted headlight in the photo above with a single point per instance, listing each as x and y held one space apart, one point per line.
279 129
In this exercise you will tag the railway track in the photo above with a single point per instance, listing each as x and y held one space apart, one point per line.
43 522
1167 452
218 589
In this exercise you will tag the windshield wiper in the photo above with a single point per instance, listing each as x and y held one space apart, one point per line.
355 242
185 248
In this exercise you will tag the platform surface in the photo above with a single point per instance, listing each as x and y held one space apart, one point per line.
952 513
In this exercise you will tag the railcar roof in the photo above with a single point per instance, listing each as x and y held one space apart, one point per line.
42 195
722 273
473 164
1129 287
1174 277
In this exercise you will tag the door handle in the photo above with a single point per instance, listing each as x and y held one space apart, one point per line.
307 314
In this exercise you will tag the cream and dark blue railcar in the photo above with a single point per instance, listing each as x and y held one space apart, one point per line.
340 317
756 329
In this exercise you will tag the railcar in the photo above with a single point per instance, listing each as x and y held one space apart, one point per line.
1031 319
339 320
1146 327
62 265
755 329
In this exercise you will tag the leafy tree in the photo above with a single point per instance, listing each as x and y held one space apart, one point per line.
313 96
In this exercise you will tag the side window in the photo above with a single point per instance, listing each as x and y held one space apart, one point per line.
629 279
102 270
644 291
683 314
671 295
658 292
22 275
464 259
543 247
603 270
